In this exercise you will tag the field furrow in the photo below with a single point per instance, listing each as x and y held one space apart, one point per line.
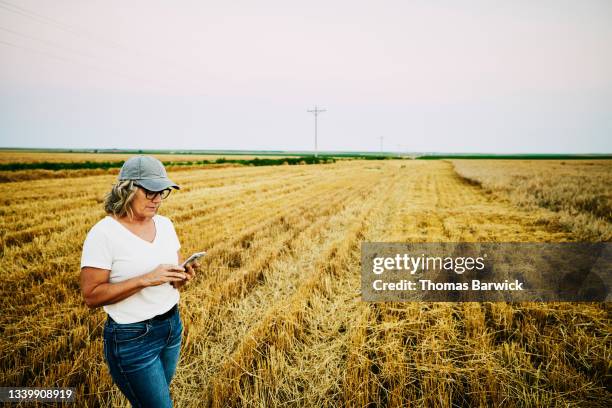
259 359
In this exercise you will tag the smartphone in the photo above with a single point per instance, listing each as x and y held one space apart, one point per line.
193 258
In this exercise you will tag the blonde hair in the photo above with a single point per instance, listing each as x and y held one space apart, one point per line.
118 200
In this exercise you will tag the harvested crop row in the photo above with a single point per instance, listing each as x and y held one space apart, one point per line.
247 370
310 371
269 246
280 280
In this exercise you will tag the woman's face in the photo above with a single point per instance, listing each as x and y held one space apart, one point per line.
144 207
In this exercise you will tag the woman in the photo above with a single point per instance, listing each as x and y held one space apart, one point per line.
130 267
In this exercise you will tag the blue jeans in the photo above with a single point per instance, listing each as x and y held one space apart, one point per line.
142 358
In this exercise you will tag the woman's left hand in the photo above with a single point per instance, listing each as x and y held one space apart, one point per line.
190 271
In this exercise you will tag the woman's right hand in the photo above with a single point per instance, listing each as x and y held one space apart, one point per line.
162 274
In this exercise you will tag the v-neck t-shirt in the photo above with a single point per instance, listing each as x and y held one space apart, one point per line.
110 245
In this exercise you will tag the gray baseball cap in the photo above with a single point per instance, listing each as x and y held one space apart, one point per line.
147 172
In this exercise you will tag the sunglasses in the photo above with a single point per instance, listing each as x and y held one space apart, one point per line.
151 195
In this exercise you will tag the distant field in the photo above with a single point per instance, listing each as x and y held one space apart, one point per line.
16 156
580 191
22 166
275 316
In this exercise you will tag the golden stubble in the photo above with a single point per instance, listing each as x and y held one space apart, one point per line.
275 318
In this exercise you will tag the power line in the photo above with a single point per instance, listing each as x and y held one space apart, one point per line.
61 58
152 83
50 21
316 112
71 61
50 43
80 31
96 59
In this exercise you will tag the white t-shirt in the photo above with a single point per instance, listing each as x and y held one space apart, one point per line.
110 245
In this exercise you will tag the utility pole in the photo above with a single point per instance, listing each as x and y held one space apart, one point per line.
316 112
381 143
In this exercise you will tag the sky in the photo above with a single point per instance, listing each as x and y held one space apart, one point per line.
497 76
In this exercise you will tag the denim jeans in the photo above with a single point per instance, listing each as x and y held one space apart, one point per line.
142 358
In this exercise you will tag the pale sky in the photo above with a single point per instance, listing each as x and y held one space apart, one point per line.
445 76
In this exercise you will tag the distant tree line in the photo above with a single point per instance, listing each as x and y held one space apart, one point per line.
117 164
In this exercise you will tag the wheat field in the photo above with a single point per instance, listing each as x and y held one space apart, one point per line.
275 318
578 192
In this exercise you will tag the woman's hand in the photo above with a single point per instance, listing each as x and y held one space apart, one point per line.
164 273
190 271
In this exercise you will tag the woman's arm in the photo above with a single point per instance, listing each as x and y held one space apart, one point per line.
98 291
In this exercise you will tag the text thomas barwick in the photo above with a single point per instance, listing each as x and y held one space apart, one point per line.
430 285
